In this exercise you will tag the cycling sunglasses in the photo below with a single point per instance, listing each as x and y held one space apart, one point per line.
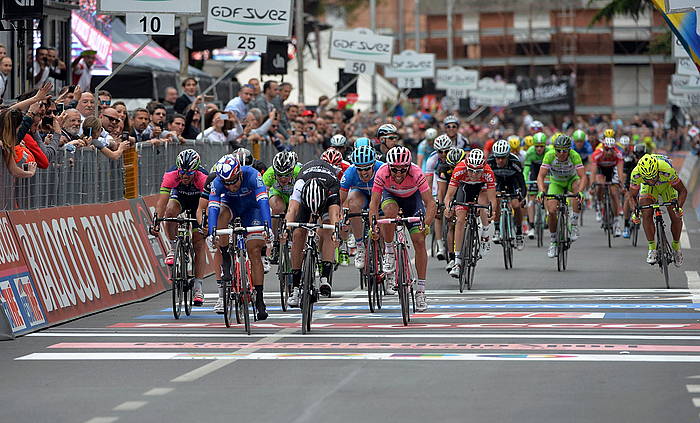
233 181
451 126
365 168
562 150
186 172
391 137
398 169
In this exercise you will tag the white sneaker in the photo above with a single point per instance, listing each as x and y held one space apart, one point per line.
531 233
219 307
360 258
519 242
390 284
651 257
421 302
552 252
617 229
266 264
678 258
450 265
325 287
485 245
454 272
389 262
496 237
351 241
598 216
441 249
294 298
574 232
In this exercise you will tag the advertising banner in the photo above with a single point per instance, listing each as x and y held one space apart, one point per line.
457 78
87 258
361 45
182 7
684 26
547 96
18 295
409 64
252 17
91 31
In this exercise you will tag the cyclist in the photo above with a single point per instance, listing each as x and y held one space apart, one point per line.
339 142
584 149
638 152
655 179
400 184
609 133
425 148
472 181
443 176
514 142
179 192
239 191
528 141
316 196
356 190
535 127
451 124
335 159
533 161
442 145
508 170
607 165
388 137
566 174
245 158
279 180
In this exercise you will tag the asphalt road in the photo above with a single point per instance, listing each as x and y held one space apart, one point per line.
602 342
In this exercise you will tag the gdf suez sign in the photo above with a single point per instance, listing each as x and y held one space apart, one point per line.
22 9
361 45
255 17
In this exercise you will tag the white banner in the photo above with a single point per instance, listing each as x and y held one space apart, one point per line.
676 6
456 77
184 7
682 84
357 68
494 93
272 18
361 45
682 100
457 93
150 23
686 67
409 64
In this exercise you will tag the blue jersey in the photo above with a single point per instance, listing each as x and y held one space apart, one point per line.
249 200
351 179
584 151
425 148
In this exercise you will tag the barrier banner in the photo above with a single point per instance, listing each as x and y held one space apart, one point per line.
18 295
87 258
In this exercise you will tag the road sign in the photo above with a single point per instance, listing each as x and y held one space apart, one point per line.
244 42
271 18
362 45
150 23
457 77
409 82
682 84
409 64
182 7
357 68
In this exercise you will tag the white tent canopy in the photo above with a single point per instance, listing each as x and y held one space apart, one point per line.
321 81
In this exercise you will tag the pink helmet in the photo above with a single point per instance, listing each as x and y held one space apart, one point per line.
398 156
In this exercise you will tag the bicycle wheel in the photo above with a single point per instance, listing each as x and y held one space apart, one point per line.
229 304
188 285
283 273
307 285
475 255
504 236
401 283
608 217
465 253
539 225
561 223
177 281
371 289
244 293
662 253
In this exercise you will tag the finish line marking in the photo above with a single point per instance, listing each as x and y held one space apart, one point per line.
364 356
631 291
693 284
375 346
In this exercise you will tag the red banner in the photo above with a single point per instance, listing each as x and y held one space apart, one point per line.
87 258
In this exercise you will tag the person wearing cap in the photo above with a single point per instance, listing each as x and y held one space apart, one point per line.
82 69
451 124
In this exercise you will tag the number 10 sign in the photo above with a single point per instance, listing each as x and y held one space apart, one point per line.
150 23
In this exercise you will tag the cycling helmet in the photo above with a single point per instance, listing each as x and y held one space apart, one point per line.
244 156
554 137
188 160
609 133
386 129
338 140
475 160
562 142
398 156
431 134
363 141
364 156
283 163
640 150
332 156
648 167
528 141
501 148
228 167
442 143
579 135
624 141
514 142
609 142
314 195
540 139
450 120
454 156
296 156
536 126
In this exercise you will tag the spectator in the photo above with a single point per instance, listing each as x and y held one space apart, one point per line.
41 66
141 130
105 98
176 126
169 100
57 69
193 121
158 120
86 105
216 130
82 72
255 83
189 88
5 73
240 105
120 107
3 51
10 120
292 113
109 118
92 128
285 90
265 101
70 124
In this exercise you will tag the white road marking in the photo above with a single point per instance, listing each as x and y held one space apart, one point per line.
130 405
693 389
102 420
693 284
158 391
201 371
308 413
685 239
696 402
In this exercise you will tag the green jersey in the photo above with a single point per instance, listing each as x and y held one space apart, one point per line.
273 185
533 161
562 170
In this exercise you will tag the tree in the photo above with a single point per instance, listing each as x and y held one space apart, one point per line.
613 8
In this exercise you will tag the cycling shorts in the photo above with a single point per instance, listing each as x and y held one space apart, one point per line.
662 193
251 217
559 187
411 206
610 174
274 192
364 194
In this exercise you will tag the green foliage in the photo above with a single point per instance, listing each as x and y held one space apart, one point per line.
661 44
614 8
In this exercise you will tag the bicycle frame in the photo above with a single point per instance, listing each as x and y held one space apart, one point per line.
471 244
507 228
371 275
563 239
664 253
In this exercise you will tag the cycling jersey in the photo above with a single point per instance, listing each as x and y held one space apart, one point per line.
249 202
533 161
277 189
414 181
185 194
470 184
326 173
351 180
426 149
432 164
562 170
607 159
444 172
510 177
585 150
667 174
460 141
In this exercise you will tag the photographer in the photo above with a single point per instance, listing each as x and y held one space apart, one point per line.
41 66
82 72
57 69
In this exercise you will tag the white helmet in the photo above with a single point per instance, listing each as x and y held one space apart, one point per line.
314 195
609 142
431 134
338 140
501 148
475 160
442 143
624 140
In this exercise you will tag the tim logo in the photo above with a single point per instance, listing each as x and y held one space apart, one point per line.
24 3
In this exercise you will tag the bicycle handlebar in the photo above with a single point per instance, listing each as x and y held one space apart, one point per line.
561 196
278 216
657 205
240 230
472 205
309 225
175 220
411 219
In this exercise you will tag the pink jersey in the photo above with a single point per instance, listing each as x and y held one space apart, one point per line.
171 179
414 181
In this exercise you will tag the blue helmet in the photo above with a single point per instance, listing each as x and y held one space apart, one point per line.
228 167
363 141
364 155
